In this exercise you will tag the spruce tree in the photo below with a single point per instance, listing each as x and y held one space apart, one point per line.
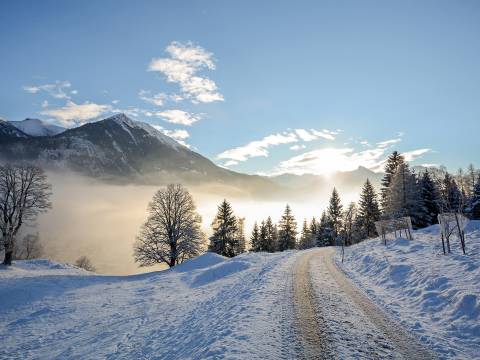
431 200
255 238
335 214
404 197
287 232
313 230
241 245
324 232
223 240
393 161
271 236
451 195
368 211
305 237
475 201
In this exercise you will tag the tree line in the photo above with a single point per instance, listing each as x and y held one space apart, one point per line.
172 231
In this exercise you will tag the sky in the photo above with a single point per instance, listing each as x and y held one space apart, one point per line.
259 87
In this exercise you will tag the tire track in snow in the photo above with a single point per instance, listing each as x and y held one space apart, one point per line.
333 315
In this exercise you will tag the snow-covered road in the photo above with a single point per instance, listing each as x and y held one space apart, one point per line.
336 320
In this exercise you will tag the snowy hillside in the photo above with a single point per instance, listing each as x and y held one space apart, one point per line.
36 127
436 296
208 307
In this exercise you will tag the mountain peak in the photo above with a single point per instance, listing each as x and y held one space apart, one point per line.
37 127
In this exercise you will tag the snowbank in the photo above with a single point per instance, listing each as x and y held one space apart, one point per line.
209 307
436 296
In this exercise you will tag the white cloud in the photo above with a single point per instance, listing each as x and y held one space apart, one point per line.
56 90
185 61
44 104
156 99
329 160
181 117
260 147
257 148
230 163
387 143
329 135
297 147
115 101
178 134
76 114
412 155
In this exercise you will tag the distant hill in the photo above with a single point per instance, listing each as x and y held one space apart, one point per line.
37 127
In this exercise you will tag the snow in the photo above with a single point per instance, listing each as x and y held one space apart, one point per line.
436 296
209 307
36 127
127 123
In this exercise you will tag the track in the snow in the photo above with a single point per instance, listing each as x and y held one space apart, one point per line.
315 301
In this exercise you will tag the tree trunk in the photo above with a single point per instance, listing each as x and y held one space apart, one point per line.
8 257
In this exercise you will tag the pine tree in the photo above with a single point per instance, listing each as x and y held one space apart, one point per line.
431 200
287 233
324 233
404 196
368 211
223 240
270 236
451 195
475 201
313 230
240 237
335 214
393 161
305 237
255 238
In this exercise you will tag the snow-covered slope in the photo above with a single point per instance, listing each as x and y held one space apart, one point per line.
8 132
207 308
37 127
437 296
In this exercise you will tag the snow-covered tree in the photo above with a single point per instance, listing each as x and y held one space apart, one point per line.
267 236
172 231
325 232
255 241
404 197
24 193
314 230
393 161
451 195
334 212
223 240
475 201
307 238
431 200
85 263
240 237
287 231
368 211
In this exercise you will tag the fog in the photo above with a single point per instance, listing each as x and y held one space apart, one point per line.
101 220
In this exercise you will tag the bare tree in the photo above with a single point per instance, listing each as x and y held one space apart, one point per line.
28 248
85 263
172 231
24 193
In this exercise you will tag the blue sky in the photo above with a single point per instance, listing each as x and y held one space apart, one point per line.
263 87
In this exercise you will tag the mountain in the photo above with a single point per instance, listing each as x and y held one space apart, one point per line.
120 149
37 127
8 132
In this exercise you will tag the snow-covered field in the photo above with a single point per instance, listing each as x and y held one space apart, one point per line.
208 307
436 296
